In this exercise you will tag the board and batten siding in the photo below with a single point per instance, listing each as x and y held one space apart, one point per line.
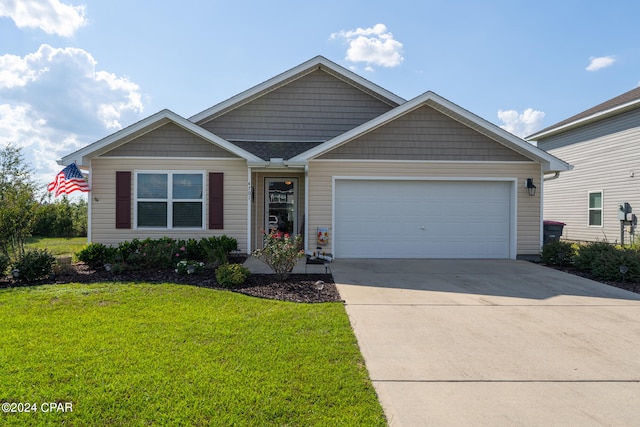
610 164
321 173
103 198
315 107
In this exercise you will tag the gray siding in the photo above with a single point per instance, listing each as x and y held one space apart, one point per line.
315 107
424 134
602 128
169 140
610 164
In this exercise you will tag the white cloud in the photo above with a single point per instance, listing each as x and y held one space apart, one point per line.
600 62
373 46
51 16
523 124
54 102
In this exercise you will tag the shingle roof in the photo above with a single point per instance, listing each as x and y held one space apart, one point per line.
269 150
630 96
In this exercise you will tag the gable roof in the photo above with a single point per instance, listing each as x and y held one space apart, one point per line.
627 101
293 74
82 156
550 163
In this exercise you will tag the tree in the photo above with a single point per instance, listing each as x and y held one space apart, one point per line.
60 218
17 201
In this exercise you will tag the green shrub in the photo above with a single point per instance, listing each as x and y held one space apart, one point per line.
217 248
34 265
606 265
230 275
4 263
161 253
557 253
229 244
185 267
587 254
97 254
280 252
194 249
128 248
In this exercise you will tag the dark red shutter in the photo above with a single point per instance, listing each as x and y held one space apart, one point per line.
216 201
123 199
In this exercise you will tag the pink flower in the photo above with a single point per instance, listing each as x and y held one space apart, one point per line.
178 255
183 249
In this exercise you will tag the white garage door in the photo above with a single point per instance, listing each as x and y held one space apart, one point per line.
422 219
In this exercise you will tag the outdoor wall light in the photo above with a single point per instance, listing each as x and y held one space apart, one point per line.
531 188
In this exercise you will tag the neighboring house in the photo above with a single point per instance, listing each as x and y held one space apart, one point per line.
319 148
602 144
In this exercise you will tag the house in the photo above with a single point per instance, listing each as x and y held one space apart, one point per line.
602 145
319 149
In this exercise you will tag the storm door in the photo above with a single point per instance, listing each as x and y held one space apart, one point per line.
281 210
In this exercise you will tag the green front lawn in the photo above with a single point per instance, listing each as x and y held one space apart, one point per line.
142 354
57 246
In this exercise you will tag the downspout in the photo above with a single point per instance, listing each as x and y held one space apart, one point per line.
556 175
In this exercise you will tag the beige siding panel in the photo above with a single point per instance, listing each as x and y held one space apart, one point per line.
528 208
424 134
169 140
316 107
610 164
103 199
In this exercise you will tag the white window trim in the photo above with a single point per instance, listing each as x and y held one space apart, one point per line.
589 208
169 198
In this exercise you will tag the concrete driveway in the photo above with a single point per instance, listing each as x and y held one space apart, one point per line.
494 342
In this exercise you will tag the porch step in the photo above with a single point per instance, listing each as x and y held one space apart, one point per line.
256 266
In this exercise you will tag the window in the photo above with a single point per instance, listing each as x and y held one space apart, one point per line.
595 208
169 199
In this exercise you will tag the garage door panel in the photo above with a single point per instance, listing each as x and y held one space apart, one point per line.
423 219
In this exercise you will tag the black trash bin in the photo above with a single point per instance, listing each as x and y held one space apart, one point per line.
552 230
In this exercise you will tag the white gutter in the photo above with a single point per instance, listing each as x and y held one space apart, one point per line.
585 120
300 164
260 164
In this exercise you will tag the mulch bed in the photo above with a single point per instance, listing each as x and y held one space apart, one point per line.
626 285
296 288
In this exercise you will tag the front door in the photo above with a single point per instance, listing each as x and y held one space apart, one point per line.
281 211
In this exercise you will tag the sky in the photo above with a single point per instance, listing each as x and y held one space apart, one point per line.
75 71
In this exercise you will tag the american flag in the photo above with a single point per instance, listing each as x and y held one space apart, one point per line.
69 179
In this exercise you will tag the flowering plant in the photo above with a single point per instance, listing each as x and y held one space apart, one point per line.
280 252
189 267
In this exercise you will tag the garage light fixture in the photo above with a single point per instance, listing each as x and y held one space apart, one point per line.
530 187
